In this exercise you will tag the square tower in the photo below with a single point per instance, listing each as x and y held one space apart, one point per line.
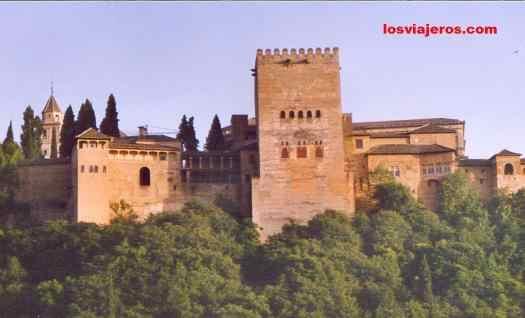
300 138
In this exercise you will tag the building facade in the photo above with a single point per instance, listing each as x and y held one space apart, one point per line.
299 156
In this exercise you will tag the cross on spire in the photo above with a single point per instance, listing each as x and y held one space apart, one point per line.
52 89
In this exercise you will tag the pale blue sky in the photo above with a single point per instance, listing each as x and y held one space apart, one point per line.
162 60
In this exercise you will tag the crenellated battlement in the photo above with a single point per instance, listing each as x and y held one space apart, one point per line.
298 56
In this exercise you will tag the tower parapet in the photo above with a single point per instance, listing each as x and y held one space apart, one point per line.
298 56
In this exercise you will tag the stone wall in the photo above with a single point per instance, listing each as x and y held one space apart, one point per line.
47 187
300 136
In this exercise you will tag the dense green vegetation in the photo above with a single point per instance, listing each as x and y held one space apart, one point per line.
465 260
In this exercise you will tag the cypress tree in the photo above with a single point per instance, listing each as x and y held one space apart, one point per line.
67 133
54 151
9 138
11 150
425 283
30 138
86 118
215 139
192 143
109 125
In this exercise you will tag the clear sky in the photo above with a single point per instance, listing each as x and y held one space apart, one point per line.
163 60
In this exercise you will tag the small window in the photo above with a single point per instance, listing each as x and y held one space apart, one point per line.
318 113
283 114
481 181
104 170
359 143
509 169
82 169
319 152
300 114
309 114
285 154
396 172
482 170
44 133
95 169
291 114
162 156
144 176
90 169
302 152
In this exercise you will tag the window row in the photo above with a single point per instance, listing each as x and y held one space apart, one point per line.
92 169
302 152
436 169
395 171
300 114
303 142
91 144
133 155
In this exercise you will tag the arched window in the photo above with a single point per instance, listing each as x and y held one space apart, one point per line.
300 114
145 178
509 169
291 114
285 154
319 152
309 114
283 114
301 152
318 113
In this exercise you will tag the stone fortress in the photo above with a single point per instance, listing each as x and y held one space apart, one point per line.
299 156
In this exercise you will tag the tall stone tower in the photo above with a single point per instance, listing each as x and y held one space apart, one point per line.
52 118
300 137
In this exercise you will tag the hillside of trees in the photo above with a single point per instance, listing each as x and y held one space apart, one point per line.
398 260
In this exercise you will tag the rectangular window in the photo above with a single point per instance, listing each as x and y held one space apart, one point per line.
82 169
162 156
301 152
359 143
396 172
481 181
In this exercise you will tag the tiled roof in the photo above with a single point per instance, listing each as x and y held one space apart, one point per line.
92 133
385 134
51 106
433 129
408 149
405 123
506 152
474 162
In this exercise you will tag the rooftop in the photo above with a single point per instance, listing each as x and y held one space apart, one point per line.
506 153
433 129
92 133
51 106
405 123
402 149
474 162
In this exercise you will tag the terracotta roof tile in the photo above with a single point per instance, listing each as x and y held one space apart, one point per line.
506 152
405 123
475 162
92 133
51 106
433 129
408 149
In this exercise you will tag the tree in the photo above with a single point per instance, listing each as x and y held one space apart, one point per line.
30 139
11 150
86 118
192 142
186 134
67 133
215 139
424 282
109 125
54 148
